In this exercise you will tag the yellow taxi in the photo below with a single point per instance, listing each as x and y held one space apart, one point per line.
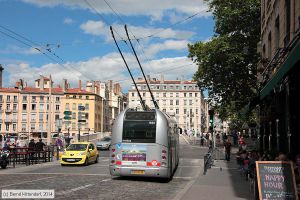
80 153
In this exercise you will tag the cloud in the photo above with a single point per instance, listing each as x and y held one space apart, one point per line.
153 49
108 67
13 49
99 28
154 8
68 21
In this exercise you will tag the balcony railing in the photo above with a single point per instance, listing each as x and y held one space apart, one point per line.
7 120
8 110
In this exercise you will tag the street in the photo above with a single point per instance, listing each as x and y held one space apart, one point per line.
95 182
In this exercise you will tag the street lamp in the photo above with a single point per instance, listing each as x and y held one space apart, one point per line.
88 134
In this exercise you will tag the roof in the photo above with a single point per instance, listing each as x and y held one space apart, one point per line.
12 90
43 91
167 82
77 91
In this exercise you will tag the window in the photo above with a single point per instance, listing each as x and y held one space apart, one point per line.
14 127
7 127
41 117
56 117
87 97
73 115
57 107
8 98
47 106
184 87
15 98
190 87
171 87
33 117
171 94
24 117
74 106
0 106
41 107
165 87
0 127
184 102
7 106
87 106
67 106
1 98
80 96
177 102
33 98
196 111
32 126
184 111
177 94
171 102
164 94
33 106
157 87
57 99
41 98
41 127
73 125
164 102
196 94
191 102
24 98
74 96
184 94
23 127
177 110
190 94
14 107
24 107
132 94
177 87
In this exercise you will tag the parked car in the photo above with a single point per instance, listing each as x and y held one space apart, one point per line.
80 153
104 143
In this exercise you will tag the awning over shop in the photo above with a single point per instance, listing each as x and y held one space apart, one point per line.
292 59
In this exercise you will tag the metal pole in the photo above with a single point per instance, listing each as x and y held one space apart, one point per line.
277 134
88 135
78 133
270 136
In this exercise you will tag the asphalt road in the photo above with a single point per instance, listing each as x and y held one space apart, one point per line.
95 182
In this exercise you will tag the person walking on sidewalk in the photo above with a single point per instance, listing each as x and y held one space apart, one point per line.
227 146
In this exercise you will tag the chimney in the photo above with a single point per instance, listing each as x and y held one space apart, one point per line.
1 70
162 79
148 78
42 81
79 84
65 85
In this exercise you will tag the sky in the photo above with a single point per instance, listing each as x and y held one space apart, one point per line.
71 39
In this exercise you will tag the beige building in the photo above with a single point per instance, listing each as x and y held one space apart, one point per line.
85 111
278 76
180 98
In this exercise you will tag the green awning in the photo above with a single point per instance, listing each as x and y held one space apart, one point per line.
292 59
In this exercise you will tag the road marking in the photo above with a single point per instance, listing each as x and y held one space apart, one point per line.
73 190
27 181
57 173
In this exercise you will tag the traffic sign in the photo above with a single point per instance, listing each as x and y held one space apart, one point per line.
67 117
67 112
81 108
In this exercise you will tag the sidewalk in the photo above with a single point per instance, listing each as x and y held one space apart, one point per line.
222 181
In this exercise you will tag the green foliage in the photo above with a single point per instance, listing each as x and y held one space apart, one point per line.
227 63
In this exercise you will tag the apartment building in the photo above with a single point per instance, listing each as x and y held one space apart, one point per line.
180 98
278 76
85 111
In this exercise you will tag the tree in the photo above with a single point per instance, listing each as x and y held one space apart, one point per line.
227 63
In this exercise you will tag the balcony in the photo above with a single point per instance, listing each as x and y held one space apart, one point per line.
15 110
8 110
7 120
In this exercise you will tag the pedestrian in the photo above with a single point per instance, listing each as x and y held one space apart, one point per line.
201 139
40 145
227 150
31 144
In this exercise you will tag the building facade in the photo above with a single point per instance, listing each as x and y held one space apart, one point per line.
278 76
179 98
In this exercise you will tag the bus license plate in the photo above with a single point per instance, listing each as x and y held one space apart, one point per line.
137 172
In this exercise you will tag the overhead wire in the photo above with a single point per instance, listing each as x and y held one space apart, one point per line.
27 43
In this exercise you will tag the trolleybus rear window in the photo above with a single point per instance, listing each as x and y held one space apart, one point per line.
139 131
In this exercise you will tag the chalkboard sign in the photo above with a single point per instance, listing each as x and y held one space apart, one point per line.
276 180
